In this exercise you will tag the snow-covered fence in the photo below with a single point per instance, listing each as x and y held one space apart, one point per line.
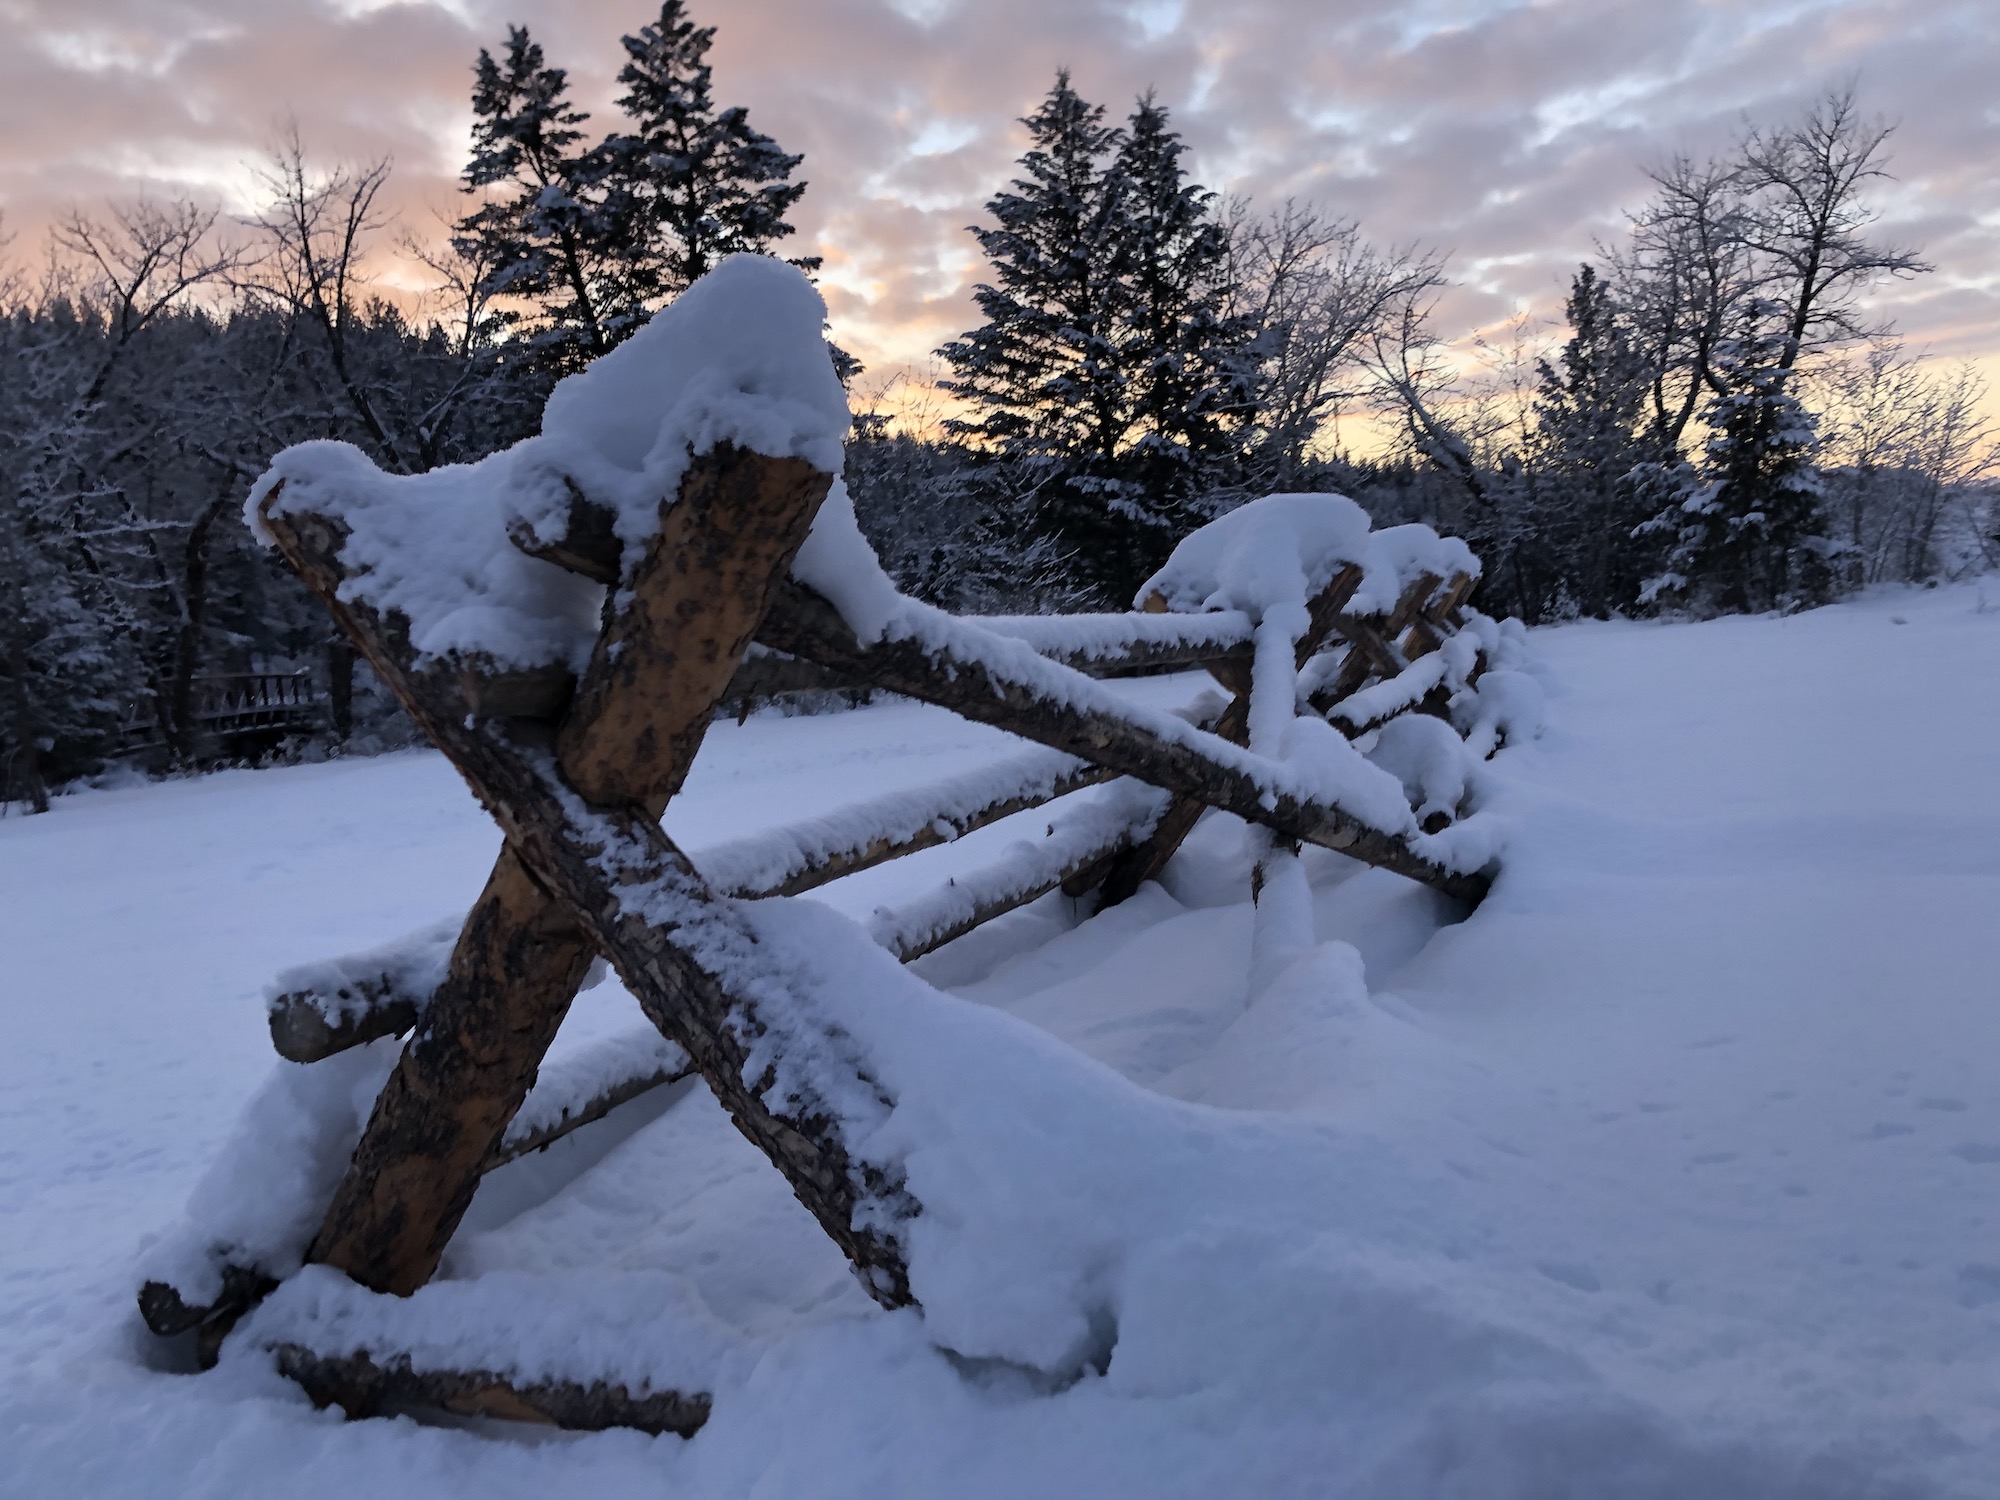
563 620
230 707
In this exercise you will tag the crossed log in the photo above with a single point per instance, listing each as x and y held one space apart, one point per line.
581 816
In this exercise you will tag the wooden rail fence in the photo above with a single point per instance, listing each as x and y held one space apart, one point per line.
577 769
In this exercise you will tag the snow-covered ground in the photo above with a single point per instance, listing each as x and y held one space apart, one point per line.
1672 1172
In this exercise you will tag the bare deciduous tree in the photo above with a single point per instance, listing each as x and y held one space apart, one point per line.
1807 214
1320 297
1904 444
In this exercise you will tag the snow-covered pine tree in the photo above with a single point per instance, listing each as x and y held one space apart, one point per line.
1041 375
1189 376
1589 443
542 233
690 183
1751 535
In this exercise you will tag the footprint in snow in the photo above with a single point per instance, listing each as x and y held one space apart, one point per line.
1949 1106
1977 1151
1714 1158
1884 1130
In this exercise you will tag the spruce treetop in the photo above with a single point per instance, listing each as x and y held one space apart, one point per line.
692 183
580 243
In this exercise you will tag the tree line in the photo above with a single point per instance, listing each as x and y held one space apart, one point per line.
1723 428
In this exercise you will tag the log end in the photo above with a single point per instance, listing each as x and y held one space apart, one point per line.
589 544
303 1032
168 1314
361 1386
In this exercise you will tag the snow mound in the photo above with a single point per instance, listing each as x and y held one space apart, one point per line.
434 549
261 1199
636 1328
1662 1176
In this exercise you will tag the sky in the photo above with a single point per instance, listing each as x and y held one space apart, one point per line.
1512 135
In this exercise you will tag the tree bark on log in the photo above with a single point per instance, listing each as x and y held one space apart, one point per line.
361 1387
301 1031
667 934
459 1081
637 718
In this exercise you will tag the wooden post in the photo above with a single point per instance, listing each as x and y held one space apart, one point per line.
697 596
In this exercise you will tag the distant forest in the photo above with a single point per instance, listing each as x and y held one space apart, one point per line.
1721 427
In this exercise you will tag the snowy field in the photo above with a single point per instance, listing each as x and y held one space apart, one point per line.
1672 1172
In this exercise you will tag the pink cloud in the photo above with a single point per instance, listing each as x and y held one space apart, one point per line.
1513 134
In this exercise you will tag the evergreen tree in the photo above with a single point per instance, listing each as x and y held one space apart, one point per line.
1188 372
1042 373
1588 448
1751 535
689 184
543 233
1107 377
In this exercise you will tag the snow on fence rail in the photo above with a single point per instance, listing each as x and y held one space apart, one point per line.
563 621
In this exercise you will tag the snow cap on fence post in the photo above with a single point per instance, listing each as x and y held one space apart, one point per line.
739 357
1280 549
